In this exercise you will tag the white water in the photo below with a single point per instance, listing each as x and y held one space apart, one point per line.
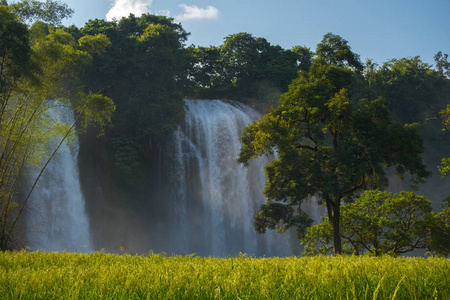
57 219
213 198
216 197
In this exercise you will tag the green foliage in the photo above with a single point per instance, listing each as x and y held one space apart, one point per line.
38 65
439 240
15 51
98 275
327 145
93 110
442 64
94 44
415 92
412 88
242 67
379 223
444 168
446 118
140 70
51 12
248 60
440 232
334 50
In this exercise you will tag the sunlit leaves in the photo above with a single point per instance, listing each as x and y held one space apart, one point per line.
340 112
94 110
41 75
445 114
444 168
377 223
94 44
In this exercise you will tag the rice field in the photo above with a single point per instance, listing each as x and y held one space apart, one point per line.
42 275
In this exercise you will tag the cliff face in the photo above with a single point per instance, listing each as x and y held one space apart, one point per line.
122 212
188 196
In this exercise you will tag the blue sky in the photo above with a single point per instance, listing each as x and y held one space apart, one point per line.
379 30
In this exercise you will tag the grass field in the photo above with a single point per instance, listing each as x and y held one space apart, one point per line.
40 275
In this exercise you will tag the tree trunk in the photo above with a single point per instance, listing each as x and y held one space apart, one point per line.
336 228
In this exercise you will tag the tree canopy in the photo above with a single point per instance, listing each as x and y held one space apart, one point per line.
39 69
141 71
411 87
51 12
439 233
445 164
244 67
378 223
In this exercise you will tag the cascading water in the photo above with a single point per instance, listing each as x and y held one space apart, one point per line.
205 206
57 219
215 197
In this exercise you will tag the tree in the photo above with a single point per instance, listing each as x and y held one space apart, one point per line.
141 71
442 63
245 67
445 163
327 145
38 65
440 231
303 56
15 53
334 50
412 88
439 239
376 223
51 12
203 65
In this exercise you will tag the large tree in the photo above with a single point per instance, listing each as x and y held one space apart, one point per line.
326 144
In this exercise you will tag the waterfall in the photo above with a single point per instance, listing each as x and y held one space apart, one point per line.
57 220
205 205
215 198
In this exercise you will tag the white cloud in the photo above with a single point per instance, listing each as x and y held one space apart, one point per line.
194 12
123 8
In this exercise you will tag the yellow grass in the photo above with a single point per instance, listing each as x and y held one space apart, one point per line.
40 275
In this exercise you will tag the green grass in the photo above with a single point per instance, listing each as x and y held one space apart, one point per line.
40 275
